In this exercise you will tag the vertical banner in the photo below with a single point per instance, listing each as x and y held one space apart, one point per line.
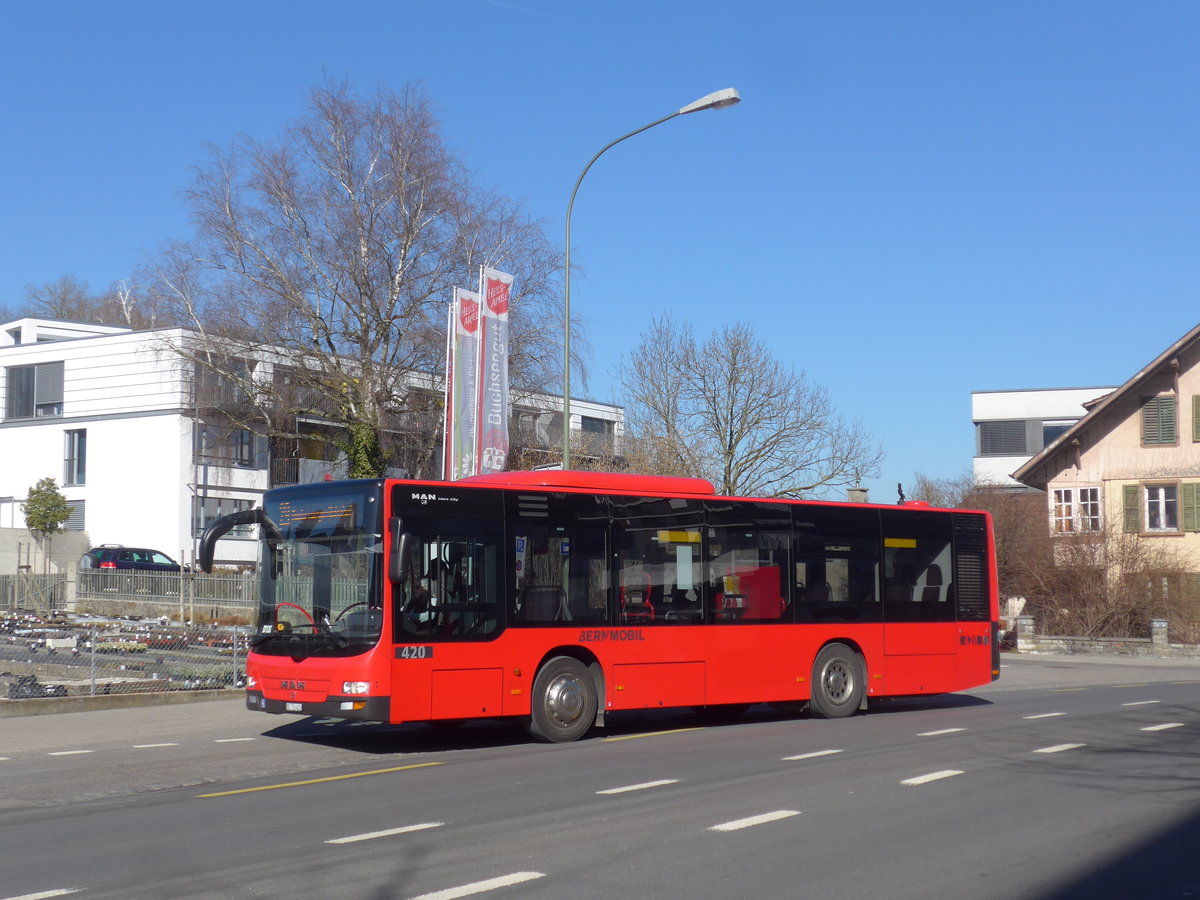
448 399
492 434
462 386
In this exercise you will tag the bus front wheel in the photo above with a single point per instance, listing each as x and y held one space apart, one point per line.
837 683
564 701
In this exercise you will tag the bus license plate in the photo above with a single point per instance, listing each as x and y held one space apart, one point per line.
294 707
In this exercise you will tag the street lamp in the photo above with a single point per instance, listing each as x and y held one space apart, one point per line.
716 100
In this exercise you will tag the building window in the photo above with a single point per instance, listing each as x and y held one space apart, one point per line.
75 457
76 521
1076 511
1002 438
1089 509
1051 431
1162 507
1158 420
34 391
1064 515
231 447
206 510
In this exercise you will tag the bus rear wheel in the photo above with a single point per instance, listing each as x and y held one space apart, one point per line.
564 701
837 683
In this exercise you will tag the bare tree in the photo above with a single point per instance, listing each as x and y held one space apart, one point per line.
328 258
70 299
727 411
1091 583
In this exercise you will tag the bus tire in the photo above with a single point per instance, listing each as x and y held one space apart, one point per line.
837 683
564 701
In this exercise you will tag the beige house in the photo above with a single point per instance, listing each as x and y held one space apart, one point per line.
1132 463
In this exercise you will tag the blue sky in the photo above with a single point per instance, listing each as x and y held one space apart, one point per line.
913 201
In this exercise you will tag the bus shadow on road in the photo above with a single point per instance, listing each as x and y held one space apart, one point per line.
378 738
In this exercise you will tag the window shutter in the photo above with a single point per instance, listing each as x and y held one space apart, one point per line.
1131 494
1158 420
1196 417
1191 505
1002 438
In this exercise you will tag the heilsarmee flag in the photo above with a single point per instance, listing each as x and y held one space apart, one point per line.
492 431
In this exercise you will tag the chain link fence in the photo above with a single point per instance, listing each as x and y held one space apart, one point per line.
122 632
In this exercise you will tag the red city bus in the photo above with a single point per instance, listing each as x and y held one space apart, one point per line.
560 597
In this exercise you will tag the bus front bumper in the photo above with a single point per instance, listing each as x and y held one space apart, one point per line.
370 709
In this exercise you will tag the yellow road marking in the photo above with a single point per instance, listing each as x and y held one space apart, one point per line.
630 737
274 787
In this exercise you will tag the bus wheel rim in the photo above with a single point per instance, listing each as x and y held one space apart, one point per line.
564 700
838 681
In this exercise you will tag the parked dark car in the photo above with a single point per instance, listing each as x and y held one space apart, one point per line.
128 559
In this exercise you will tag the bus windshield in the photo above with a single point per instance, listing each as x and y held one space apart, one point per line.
320 582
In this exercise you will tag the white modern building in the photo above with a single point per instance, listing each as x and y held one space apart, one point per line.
109 414
1012 426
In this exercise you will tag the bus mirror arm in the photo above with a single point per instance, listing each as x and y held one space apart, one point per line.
401 543
218 528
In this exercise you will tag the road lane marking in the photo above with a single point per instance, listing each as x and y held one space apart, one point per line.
1059 748
231 740
932 776
1163 727
940 732
1139 684
148 746
45 895
479 887
813 755
639 787
751 821
69 752
646 734
404 829
1140 703
1045 716
290 784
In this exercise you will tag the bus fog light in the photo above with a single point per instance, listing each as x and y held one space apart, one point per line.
355 687
352 704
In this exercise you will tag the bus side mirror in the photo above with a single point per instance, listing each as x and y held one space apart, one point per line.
213 533
400 545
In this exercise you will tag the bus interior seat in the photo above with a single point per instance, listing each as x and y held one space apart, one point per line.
541 603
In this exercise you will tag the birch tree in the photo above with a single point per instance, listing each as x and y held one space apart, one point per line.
726 410
327 258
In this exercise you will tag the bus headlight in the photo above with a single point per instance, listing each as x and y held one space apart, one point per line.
251 682
355 687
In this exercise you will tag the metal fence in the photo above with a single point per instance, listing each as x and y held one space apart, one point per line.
73 655
104 632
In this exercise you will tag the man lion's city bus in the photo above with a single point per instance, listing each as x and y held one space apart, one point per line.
558 597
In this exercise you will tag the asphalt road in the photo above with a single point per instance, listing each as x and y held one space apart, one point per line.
1068 778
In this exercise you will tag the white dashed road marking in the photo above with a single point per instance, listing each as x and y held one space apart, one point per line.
755 820
813 755
479 887
1163 727
404 829
932 776
639 787
1059 748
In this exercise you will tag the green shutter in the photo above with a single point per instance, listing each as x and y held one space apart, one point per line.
1131 494
1191 505
1196 417
1158 420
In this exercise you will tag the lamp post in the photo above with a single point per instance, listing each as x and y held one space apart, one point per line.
716 100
